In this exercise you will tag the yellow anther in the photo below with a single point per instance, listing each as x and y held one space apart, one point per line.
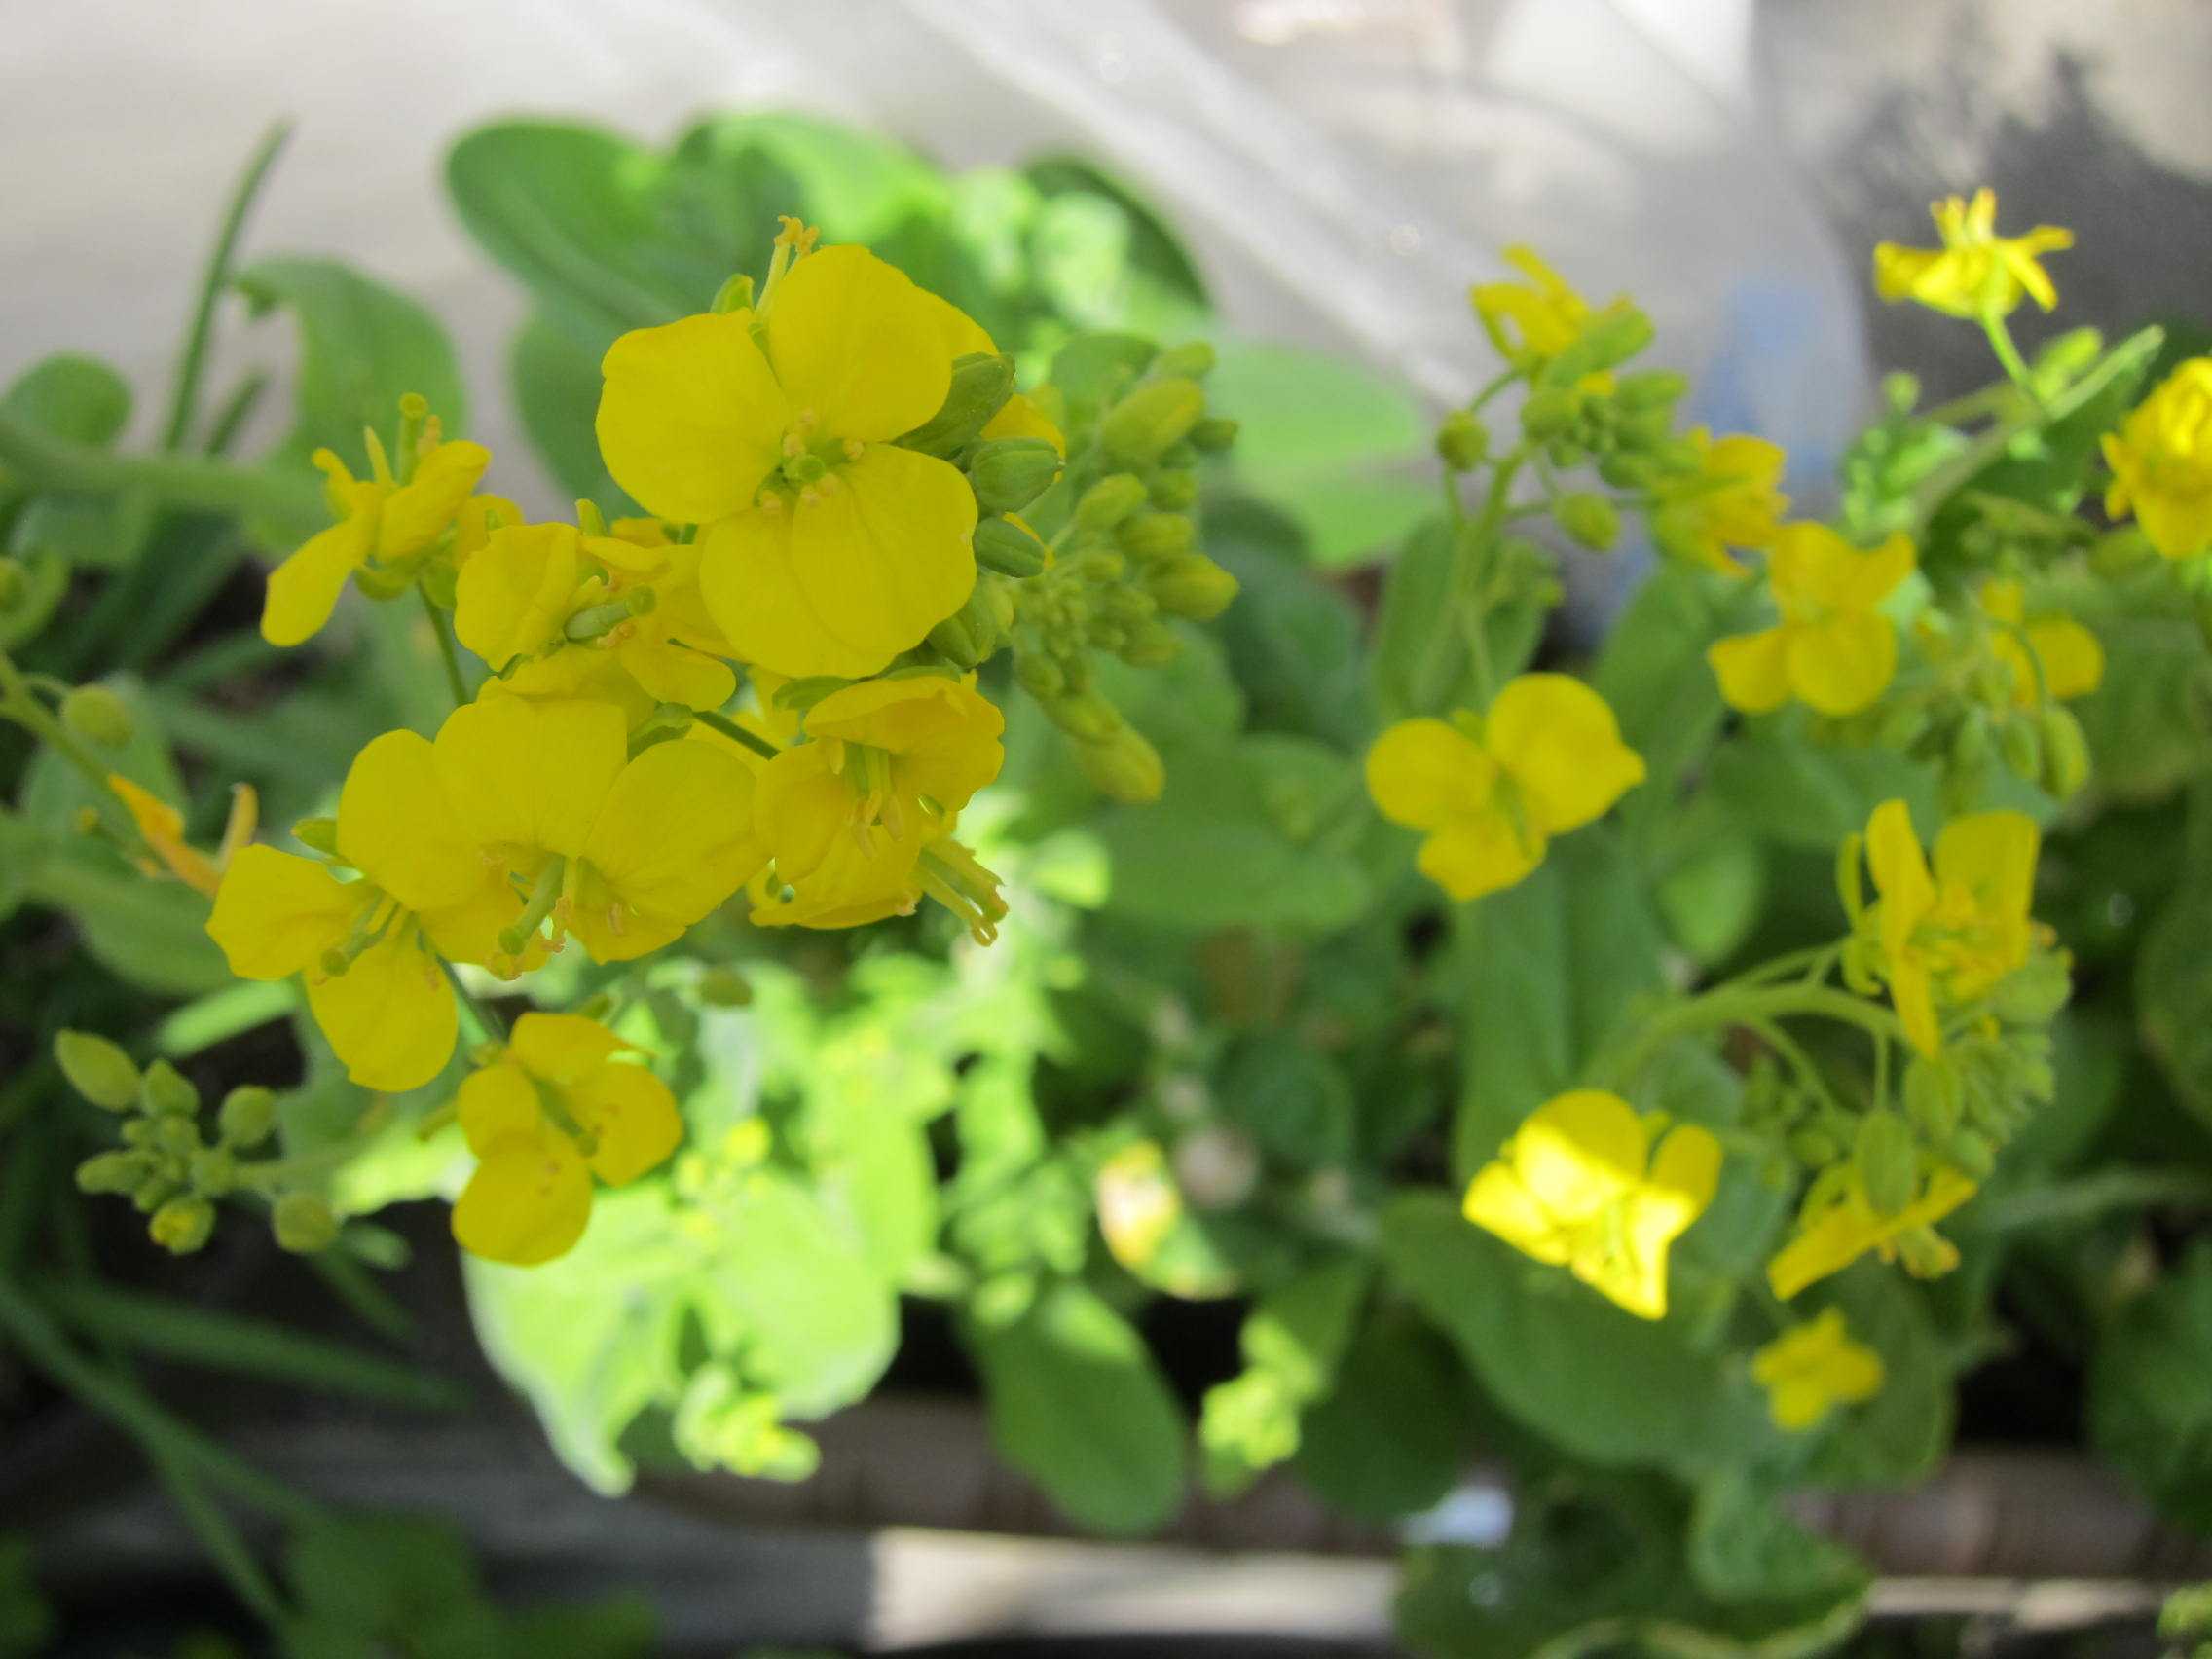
770 502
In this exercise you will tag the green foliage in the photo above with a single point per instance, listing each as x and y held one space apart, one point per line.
2148 1412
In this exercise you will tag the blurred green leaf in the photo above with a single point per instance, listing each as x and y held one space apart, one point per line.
2149 1409
1392 1437
556 385
1293 639
1415 665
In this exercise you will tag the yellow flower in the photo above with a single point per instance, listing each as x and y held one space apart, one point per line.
1582 1185
378 519
624 852
1730 501
369 949
2052 657
522 596
1833 647
1811 1369
1840 1225
826 549
1547 758
553 1110
1950 935
2161 463
161 827
1020 415
1531 321
852 888
1976 271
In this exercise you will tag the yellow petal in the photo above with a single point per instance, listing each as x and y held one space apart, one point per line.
1020 417
496 1101
304 589
673 840
844 584
1913 991
1422 772
1579 1152
1479 854
562 1048
391 1016
397 828
854 342
805 812
690 418
1497 1201
676 673
1869 576
277 913
964 336
943 734
1843 664
515 592
2072 658
1557 740
528 1201
421 511
1992 855
1754 670
528 774
634 1117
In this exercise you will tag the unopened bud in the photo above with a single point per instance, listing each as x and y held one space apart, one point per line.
1150 421
1213 434
303 1223
1969 744
1551 412
1193 358
2033 994
247 1116
1125 767
735 294
1110 500
1191 585
1815 1149
1589 519
1150 645
1651 388
213 1171
2065 751
1039 675
113 1172
1973 1154
1008 547
1883 1154
182 1224
981 383
724 987
2021 748
1174 489
1085 714
98 715
1462 441
1647 432
97 1069
1934 1096
1157 536
1625 469
1009 473
167 1090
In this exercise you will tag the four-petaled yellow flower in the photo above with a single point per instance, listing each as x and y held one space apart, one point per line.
2161 463
379 519
1840 1225
369 949
1731 501
1811 1369
1531 321
1977 271
553 1110
1948 935
2053 657
1582 1185
825 548
1492 791
1833 648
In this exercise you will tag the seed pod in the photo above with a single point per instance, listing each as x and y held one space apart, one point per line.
97 1069
1152 420
1009 473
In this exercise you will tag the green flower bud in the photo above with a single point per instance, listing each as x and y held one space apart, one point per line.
1004 546
1098 565
303 1223
1565 452
182 1224
1039 675
2065 750
1110 500
1551 413
1651 388
1174 489
1157 536
98 715
321 833
247 1116
1191 585
1815 1149
1085 714
1625 471
1646 431
1009 473
153 1193
724 987
1612 339
2066 357
1127 604
1123 766
1462 441
1901 392
1934 1096
1150 645
981 383
15 584
1969 744
97 1069
1973 1154
1150 421
2034 992
1884 1156
165 1089
2021 748
114 1172
1589 519
1676 455
1213 434
213 1171
1193 358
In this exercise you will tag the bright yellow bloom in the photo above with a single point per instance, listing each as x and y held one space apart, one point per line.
161 827
1020 415
1491 792
1833 648
1531 321
2052 657
1841 1225
826 549
624 852
1731 501
553 1110
1950 935
1582 1185
1811 1369
1976 271
2161 463
532 586
378 519
369 949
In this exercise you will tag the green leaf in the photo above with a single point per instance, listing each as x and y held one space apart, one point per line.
871 1164
1393 1434
2146 723
1899 1437
1292 639
1602 1384
2150 1411
72 397
363 346
1653 673
1743 1546
556 385
151 933
1341 450
2173 973
1295 1103
1774 780
1418 662
1167 294
1078 1404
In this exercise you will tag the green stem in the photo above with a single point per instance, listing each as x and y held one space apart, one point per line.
2009 357
736 733
448 651
44 461
231 417
221 1539
20 704
184 395
1727 1006
487 1018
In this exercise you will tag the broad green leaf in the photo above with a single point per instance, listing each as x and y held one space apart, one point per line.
1078 1404
2173 973
1295 1103
556 384
1653 673
83 400
1392 1437
1743 1546
151 933
1900 1436
72 397
1292 639
1771 779
1168 296
2146 723
1417 661
2150 1411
